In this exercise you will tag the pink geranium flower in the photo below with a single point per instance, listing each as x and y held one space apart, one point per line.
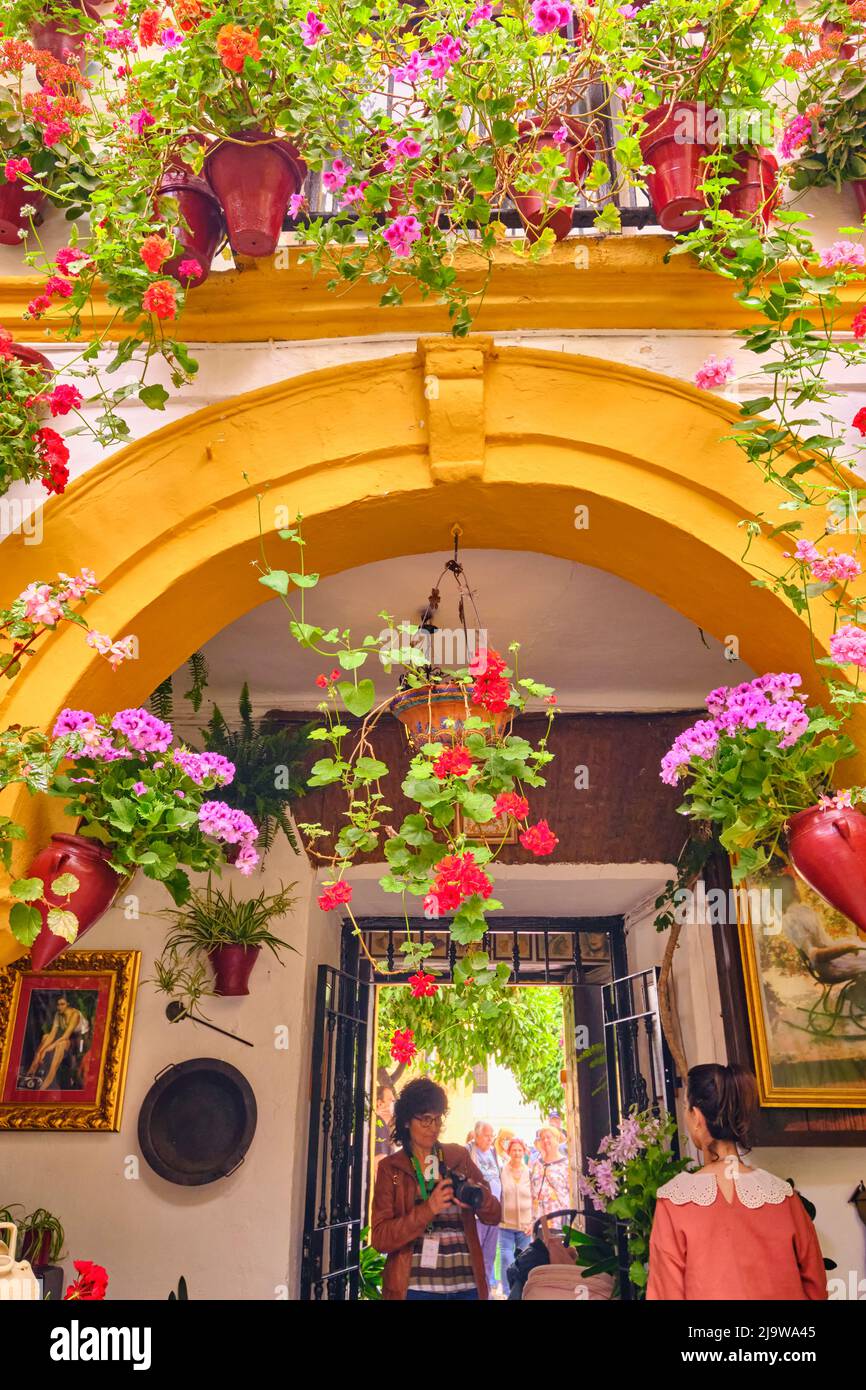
313 29
402 233
548 15
843 255
714 372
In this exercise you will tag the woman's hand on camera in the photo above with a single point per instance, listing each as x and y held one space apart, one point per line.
442 1196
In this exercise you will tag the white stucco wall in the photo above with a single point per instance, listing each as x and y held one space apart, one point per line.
240 1237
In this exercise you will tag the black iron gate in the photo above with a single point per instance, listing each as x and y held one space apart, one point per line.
337 1153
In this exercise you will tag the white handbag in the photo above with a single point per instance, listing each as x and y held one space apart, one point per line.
17 1280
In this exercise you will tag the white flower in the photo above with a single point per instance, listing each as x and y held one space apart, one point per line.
28 210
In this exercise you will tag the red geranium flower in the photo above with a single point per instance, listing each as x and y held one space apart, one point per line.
91 1283
235 45
148 27
403 1047
539 838
456 761
322 682
160 299
458 877
859 421
858 325
510 804
154 250
422 986
490 690
334 895
63 399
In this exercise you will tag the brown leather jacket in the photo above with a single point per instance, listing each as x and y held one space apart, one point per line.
399 1218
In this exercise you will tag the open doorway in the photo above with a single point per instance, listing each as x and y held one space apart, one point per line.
603 1010
506 1083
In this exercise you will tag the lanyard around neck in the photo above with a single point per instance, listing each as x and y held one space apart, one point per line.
425 1191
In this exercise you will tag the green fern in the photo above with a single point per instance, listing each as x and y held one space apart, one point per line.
263 754
161 702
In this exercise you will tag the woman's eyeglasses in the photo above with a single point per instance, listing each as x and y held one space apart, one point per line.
429 1121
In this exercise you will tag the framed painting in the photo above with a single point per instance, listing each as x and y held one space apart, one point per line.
804 969
64 1041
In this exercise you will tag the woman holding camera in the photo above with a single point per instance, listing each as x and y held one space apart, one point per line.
425 1202
730 1231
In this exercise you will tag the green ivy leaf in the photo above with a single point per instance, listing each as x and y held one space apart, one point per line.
25 923
359 699
278 580
64 885
28 890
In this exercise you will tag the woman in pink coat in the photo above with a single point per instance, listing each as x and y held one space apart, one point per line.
728 1231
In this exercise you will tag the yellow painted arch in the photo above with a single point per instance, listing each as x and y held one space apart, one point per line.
381 458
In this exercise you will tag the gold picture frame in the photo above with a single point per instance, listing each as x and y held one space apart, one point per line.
805 995
78 1086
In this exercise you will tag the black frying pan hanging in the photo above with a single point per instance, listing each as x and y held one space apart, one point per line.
197 1121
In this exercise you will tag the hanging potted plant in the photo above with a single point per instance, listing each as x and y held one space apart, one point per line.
196 221
548 144
229 931
827 140
480 775
140 802
760 769
57 28
221 85
693 89
755 192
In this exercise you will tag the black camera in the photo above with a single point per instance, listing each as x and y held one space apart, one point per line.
465 1191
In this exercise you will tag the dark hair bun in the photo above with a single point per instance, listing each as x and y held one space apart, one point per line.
727 1097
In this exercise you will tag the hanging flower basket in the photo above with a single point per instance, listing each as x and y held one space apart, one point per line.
828 850
670 145
536 211
60 37
13 197
254 176
232 967
756 192
98 885
424 710
201 229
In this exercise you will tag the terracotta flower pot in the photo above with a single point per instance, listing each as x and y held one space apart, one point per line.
423 712
97 887
671 145
60 38
254 176
859 186
13 197
31 358
828 29
232 967
539 212
201 229
828 850
756 192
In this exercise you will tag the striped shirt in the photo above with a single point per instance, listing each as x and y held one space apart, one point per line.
453 1272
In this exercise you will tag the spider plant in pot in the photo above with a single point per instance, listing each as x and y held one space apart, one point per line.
230 931
42 1239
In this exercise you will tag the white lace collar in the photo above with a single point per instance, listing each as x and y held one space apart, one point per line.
754 1189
